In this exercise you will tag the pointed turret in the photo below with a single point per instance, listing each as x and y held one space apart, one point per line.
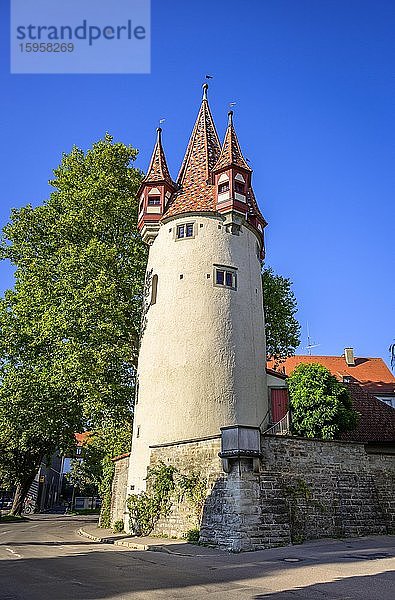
196 191
155 192
158 170
232 178
231 154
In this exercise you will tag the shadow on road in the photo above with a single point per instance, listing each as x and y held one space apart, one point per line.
100 574
364 587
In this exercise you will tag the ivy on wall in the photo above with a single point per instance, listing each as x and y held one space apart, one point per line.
165 485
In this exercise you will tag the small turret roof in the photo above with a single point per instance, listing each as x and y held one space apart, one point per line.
231 153
196 190
158 169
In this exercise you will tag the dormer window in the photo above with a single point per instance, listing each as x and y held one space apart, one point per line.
239 187
153 200
223 187
185 231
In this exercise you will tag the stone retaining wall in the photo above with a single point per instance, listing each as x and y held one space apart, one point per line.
307 489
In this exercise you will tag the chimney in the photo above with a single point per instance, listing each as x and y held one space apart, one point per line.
349 357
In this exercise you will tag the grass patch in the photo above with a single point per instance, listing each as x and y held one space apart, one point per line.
85 511
12 519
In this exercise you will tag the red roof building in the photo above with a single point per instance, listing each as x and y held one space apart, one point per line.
372 374
376 422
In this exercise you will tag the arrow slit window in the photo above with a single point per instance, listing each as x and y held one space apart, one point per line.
154 289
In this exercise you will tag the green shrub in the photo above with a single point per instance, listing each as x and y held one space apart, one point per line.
320 405
118 526
146 508
192 536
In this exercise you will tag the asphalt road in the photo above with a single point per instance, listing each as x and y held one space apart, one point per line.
45 559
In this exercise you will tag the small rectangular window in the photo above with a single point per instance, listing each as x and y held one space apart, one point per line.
239 187
226 278
223 187
229 279
153 200
220 277
185 231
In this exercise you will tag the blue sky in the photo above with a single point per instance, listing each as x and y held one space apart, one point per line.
314 86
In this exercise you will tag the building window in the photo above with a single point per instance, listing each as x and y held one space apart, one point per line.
223 187
138 431
153 200
239 187
185 231
225 278
154 289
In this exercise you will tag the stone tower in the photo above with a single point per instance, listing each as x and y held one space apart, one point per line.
202 356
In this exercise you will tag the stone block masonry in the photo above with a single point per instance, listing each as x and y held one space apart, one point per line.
119 487
307 489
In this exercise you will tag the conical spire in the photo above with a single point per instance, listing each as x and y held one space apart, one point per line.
203 150
158 170
231 153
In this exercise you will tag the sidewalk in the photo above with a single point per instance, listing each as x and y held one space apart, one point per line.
154 544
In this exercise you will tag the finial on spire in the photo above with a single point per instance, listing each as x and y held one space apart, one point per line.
205 88
230 117
159 133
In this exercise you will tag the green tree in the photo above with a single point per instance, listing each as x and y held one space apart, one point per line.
320 405
281 327
95 469
70 328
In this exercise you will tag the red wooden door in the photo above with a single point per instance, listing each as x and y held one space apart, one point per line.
279 404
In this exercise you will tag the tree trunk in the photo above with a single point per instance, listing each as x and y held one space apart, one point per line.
20 495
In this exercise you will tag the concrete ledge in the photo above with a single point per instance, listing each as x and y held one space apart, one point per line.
130 542
85 534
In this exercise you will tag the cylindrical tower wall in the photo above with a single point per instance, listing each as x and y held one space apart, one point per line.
202 357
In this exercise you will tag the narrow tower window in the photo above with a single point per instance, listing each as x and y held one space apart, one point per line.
239 187
154 289
220 277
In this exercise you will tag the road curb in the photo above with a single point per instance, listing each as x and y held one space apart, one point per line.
103 540
127 543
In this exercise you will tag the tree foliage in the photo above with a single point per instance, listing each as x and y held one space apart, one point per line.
69 330
281 327
320 405
95 468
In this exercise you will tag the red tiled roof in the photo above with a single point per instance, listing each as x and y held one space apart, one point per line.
376 421
158 170
231 153
371 373
196 192
253 208
275 373
81 438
